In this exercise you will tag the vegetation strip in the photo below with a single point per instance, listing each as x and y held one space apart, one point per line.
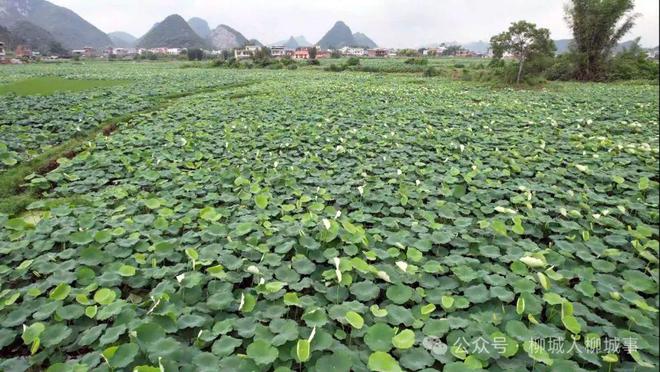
14 198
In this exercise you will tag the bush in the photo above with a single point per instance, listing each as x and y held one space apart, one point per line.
632 64
314 62
195 54
417 61
292 67
431 72
563 68
459 65
334 68
353 61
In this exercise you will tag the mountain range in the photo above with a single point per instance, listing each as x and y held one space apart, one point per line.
61 24
49 28
340 35
172 32
122 39
293 42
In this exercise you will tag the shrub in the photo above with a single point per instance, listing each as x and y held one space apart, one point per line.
563 68
417 61
353 61
632 64
334 68
314 62
431 72
292 67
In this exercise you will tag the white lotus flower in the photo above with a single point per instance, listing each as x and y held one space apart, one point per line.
180 278
253 270
338 214
240 306
532 261
383 275
361 190
327 224
582 168
337 271
505 210
398 172
403 266
311 336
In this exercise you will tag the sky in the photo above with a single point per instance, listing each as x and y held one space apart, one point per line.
390 23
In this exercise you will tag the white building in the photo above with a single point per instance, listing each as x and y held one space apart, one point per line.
353 52
277 51
2 51
247 52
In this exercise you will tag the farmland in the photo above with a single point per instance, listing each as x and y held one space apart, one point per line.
249 220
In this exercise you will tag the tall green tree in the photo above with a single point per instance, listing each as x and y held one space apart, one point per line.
598 26
524 41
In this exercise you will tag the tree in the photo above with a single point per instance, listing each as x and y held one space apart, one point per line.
195 54
598 26
525 41
452 50
632 63
312 53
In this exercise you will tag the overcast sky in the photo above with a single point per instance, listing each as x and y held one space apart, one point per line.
390 23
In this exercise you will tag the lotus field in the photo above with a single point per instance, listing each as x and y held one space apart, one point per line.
241 220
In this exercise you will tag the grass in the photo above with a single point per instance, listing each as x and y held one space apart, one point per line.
49 85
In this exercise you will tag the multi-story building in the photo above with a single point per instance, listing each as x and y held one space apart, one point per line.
247 52
277 51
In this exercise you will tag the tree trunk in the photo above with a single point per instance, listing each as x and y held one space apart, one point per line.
520 69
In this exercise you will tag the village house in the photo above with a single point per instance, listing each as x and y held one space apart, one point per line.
89 52
2 51
301 53
323 54
247 52
23 51
117 52
277 51
377 53
174 51
353 52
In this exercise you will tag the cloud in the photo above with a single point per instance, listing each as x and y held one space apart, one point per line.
394 23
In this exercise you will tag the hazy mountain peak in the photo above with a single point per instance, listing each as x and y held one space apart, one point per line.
200 26
172 32
64 25
122 39
340 35
225 37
